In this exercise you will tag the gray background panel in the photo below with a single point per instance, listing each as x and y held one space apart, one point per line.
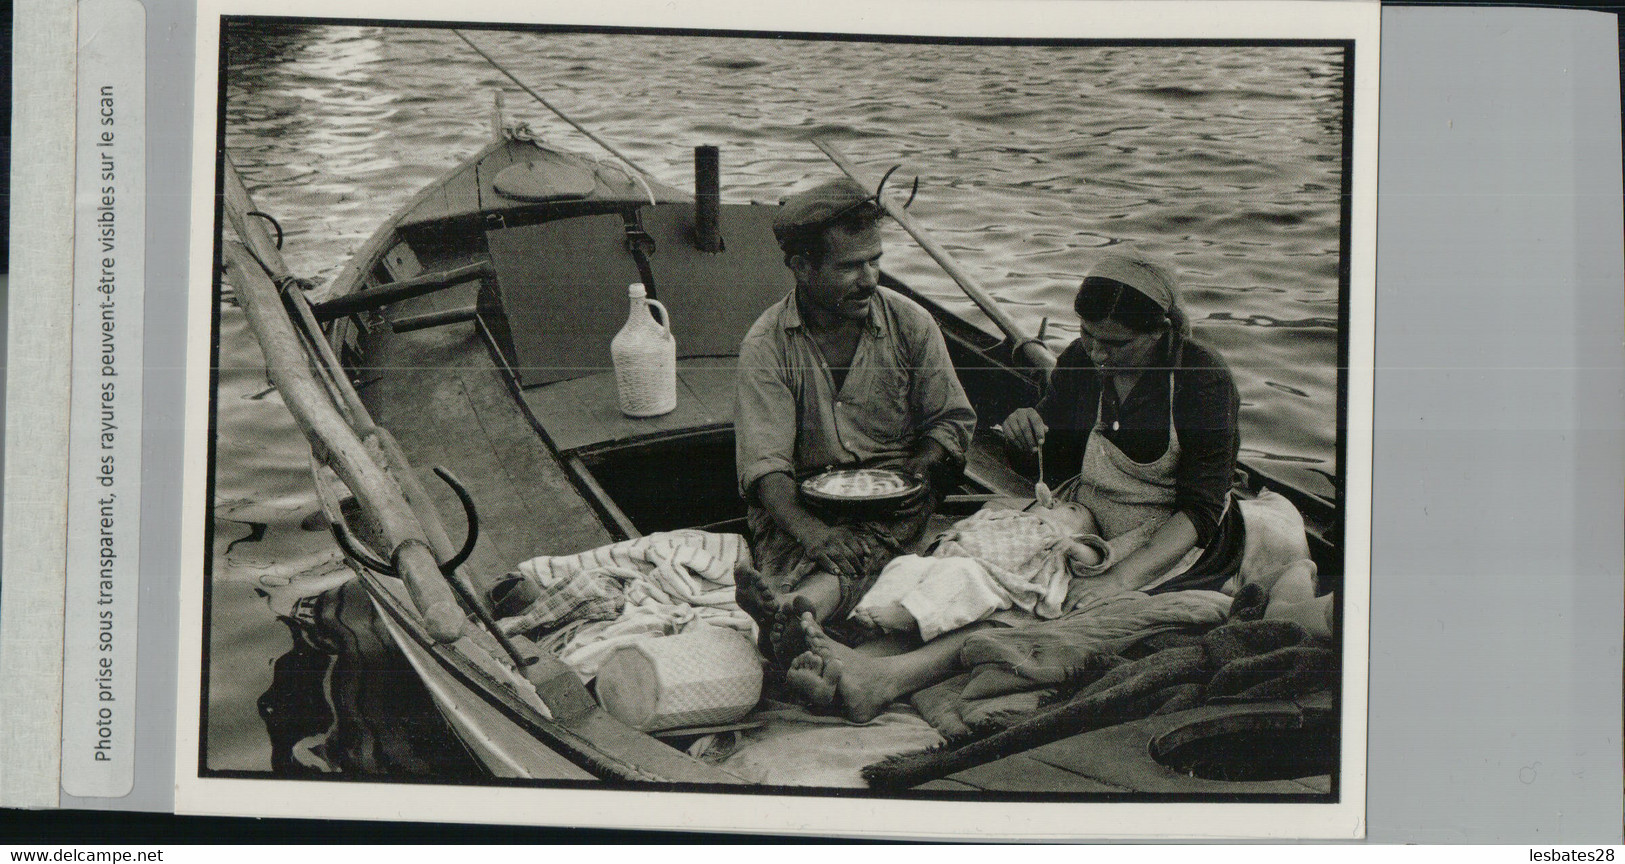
1496 568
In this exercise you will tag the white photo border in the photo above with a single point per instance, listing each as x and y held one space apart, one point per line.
829 815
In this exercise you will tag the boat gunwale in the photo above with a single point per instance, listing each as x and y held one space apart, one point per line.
551 732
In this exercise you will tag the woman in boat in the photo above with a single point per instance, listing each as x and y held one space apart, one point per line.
1141 422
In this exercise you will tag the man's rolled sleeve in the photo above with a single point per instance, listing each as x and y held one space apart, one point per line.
939 399
764 416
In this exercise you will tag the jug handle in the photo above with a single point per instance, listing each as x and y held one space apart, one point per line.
665 317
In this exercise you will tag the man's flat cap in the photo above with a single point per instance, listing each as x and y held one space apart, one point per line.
818 205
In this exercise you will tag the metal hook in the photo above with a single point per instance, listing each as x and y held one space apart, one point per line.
274 224
353 548
881 186
468 511
341 533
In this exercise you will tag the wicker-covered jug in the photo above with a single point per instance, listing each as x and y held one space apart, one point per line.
645 356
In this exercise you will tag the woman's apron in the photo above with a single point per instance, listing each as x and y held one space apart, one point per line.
1130 500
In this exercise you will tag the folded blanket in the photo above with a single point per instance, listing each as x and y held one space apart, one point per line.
1052 652
1241 661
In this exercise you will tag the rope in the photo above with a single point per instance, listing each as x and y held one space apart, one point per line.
635 178
549 106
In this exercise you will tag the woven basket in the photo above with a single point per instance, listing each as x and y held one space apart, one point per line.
702 677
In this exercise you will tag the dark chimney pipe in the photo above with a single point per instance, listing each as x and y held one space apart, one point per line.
707 198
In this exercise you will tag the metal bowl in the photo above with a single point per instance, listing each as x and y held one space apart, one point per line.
865 489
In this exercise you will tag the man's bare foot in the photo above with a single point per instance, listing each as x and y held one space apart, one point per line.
815 681
779 635
864 684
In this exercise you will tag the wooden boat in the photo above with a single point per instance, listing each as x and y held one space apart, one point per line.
471 332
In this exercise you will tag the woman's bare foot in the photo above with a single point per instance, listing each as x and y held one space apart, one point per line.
864 684
814 680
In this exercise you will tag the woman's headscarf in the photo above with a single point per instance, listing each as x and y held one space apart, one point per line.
1154 280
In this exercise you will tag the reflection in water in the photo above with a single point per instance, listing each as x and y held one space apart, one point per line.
1223 160
380 719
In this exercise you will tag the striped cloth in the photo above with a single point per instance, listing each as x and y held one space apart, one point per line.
656 585
586 595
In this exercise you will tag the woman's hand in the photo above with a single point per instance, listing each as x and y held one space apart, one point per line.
1025 429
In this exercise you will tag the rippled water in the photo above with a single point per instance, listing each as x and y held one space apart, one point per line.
1224 161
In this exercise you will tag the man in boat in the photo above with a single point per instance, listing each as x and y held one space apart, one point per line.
840 373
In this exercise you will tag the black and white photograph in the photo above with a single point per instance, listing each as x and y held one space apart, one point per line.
808 416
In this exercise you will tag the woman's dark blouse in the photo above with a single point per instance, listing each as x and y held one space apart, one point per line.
1206 408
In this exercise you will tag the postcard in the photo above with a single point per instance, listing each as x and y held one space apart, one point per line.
920 420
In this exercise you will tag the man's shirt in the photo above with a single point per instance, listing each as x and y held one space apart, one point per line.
789 417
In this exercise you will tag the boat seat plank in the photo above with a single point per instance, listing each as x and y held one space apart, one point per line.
1020 773
714 298
576 270
506 502
563 307
711 380
585 412
537 478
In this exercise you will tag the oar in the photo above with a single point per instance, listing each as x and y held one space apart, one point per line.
1035 351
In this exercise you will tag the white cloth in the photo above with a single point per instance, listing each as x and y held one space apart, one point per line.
940 594
1275 540
993 560
673 580
1031 554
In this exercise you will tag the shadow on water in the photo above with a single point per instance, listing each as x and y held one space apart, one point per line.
344 699
264 42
